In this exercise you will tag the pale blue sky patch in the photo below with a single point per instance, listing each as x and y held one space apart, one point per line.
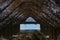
30 19
29 26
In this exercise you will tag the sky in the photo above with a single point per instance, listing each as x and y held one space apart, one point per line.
30 19
30 26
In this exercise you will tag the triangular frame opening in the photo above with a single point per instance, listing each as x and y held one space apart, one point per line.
30 19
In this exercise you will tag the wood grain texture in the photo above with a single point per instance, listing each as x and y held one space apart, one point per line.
45 12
